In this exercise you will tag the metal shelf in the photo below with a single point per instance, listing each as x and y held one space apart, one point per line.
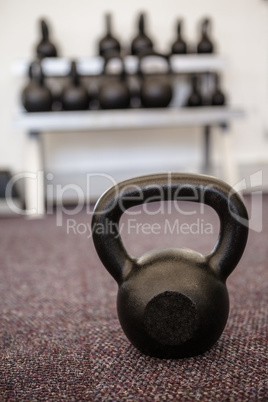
174 116
191 63
125 119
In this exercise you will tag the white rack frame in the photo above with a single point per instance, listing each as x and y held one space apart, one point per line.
180 64
37 123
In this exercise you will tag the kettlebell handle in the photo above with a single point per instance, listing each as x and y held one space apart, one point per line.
111 56
206 25
35 72
179 27
74 74
141 23
167 187
151 53
108 22
44 30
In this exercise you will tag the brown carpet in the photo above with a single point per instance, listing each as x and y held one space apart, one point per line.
59 333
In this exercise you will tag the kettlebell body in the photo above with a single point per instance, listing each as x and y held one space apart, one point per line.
179 46
108 43
114 92
45 47
194 100
141 43
155 90
114 95
36 97
75 96
218 97
195 97
171 303
205 45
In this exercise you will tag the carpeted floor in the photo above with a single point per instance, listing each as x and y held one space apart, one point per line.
59 332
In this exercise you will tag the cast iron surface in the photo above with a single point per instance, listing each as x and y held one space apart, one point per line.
155 91
45 47
114 92
205 45
195 97
36 97
218 97
141 43
75 95
179 46
108 43
171 303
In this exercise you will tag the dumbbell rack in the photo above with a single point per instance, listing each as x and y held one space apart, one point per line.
36 123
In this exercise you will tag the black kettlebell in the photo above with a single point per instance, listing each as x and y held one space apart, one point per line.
205 45
218 97
74 96
195 97
173 302
36 97
114 92
156 90
141 43
179 46
45 48
108 43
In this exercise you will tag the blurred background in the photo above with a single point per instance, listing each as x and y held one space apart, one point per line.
240 34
